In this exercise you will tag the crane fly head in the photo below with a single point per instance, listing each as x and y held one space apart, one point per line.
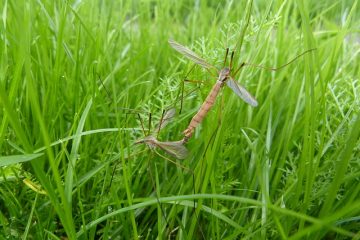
224 74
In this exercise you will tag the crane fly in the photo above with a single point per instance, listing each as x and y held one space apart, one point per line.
176 149
223 77
173 148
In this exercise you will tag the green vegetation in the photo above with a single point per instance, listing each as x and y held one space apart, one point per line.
74 73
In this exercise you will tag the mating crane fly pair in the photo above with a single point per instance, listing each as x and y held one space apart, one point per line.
225 76
177 148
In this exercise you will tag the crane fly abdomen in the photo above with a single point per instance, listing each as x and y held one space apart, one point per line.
204 109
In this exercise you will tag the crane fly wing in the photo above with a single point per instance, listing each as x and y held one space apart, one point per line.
148 140
166 118
176 149
241 92
190 54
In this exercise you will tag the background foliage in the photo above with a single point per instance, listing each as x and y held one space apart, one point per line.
69 167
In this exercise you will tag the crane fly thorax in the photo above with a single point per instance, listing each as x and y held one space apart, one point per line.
224 74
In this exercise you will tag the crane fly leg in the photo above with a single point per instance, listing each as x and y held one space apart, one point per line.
231 59
226 54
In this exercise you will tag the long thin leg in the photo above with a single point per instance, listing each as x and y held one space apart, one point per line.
116 165
183 87
172 161
199 204
226 54
149 124
238 69
282 66
243 31
195 81
194 190
195 206
182 96
103 85
186 95
156 194
271 68
222 106
161 120
183 82
231 59
141 122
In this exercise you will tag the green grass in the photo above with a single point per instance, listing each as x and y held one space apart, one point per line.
288 169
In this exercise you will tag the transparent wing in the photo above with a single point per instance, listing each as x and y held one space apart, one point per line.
241 92
176 149
148 140
190 54
166 118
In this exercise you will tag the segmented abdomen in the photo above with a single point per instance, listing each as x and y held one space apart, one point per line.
204 109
